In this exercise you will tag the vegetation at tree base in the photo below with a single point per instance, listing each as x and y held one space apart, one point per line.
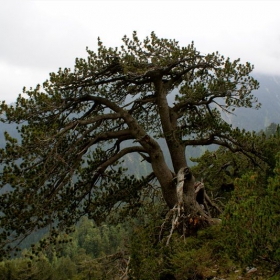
73 160
244 246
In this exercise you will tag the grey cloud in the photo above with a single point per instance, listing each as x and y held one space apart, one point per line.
37 37
32 38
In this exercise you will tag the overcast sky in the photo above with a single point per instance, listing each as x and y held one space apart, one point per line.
38 37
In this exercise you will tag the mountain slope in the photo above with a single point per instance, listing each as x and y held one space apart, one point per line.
269 96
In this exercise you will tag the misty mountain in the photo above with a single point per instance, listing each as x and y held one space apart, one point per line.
268 95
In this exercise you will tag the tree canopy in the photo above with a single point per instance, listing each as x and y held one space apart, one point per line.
81 124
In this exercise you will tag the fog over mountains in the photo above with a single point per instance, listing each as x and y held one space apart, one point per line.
268 95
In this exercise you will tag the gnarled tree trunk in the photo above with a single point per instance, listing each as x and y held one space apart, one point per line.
192 209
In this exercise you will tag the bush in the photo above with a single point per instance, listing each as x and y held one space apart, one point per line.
252 219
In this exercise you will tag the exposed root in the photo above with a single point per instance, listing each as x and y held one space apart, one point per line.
174 222
190 213
186 225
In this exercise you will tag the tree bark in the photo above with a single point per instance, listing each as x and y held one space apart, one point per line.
187 199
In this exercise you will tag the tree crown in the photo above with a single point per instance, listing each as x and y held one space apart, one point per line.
78 127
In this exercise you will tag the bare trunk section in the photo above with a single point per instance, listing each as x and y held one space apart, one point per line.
169 126
164 177
161 170
159 166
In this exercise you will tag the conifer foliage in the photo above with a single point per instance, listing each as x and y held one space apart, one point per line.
81 124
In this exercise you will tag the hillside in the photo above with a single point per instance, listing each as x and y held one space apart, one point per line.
269 96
